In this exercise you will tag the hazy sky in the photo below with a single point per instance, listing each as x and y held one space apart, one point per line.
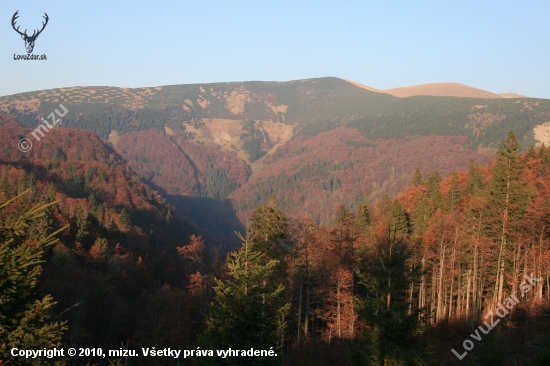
493 45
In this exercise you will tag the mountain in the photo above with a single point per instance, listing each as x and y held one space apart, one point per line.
216 150
131 270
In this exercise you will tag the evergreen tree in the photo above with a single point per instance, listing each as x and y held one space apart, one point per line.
433 189
22 182
6 187
100 250
531 152
75 183
24 317
246 311
79 224
89 176
474 183
397 218
51 195
342 236
364 216
92 203
384 206
393 326
269 227
454 195
44 225
507 201
125 217
417 179
100 213
420 215
24 202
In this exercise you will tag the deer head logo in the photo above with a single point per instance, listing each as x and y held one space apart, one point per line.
29 40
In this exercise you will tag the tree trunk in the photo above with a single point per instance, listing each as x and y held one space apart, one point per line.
468 279
539 269
299 315
439 312
452 276
500 263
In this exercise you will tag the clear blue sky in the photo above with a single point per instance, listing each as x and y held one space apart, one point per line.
493 45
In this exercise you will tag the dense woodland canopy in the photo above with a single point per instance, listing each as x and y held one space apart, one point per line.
401 281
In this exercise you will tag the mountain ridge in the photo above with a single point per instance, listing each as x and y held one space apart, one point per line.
450 89
209 148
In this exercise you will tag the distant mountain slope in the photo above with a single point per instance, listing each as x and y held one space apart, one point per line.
512 95
362 86
313 174
205 146
441 90
80 165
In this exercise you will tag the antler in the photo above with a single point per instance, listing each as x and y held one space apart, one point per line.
34 35
15 16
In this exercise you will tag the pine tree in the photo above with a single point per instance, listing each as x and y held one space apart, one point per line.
531 152
417 179
24 202
24 317
44 225
22 182
433 189
125 217
364 216
6 187
100 250
51 196
92 203
384 206
269 228
397 218
507 201
393 326
420 215
454 195
246 311
79 224
474 183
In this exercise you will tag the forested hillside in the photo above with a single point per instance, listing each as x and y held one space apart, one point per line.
398 281
116 250
314 174
195 178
